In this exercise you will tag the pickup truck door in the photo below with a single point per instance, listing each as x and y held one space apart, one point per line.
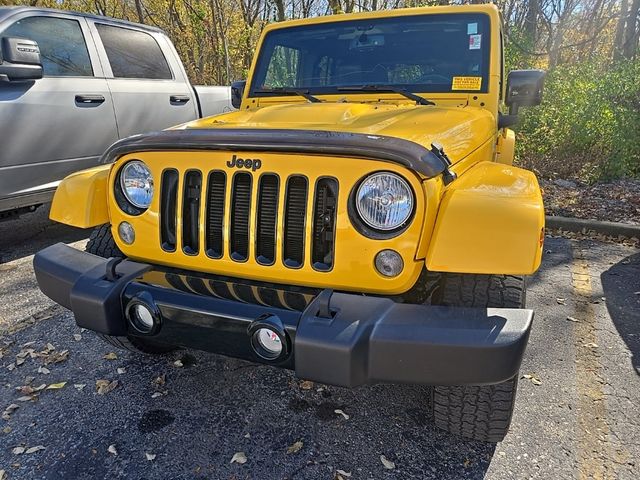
62 122
147 81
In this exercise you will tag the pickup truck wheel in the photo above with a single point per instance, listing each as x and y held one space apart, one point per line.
477 412
101 243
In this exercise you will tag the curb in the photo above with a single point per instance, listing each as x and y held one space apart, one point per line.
612 229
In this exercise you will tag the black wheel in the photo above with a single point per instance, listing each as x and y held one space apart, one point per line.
477 412
101 243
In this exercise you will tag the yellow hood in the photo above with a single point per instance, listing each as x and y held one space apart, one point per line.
459 129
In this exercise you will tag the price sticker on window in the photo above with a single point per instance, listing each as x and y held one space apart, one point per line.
466 83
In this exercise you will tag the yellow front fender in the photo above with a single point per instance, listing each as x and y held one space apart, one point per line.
491 220
81 198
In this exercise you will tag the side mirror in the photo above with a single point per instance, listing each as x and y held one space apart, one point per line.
524 89
19 60
237 91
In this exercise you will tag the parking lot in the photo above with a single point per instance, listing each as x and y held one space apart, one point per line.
185 415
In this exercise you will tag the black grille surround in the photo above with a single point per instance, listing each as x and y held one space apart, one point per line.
245 213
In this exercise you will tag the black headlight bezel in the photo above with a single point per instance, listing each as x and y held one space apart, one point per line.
365 229
121 199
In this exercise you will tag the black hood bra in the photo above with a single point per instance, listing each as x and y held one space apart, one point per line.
353 145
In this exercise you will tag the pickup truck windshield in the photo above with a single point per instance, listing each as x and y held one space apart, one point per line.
426 53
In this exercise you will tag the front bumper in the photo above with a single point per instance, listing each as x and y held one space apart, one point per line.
338 339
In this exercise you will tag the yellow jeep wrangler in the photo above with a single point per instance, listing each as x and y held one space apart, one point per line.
357 220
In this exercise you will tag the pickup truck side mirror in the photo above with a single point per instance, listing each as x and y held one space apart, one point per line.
524 89
19 60
237 91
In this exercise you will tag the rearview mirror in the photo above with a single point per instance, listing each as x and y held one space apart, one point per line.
524 89
19 60
237 91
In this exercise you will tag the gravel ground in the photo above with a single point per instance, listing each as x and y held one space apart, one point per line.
617 201
580 421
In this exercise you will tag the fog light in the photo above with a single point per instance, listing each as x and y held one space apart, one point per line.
142 318
267 343
127 233
389 263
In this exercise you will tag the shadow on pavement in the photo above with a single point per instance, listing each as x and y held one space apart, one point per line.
25 235
621 286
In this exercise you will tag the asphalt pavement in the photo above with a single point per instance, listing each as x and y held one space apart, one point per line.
185 415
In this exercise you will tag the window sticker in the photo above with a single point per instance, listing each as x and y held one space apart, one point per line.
466 83
475 42
472 28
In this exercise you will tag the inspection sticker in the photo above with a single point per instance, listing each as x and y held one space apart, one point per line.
466 83
475 41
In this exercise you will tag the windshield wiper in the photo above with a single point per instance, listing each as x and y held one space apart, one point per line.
387 88
302 92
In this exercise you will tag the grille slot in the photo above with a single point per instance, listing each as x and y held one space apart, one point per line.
267 219
191 212
215 213
168 201
240 214
295 211
324 224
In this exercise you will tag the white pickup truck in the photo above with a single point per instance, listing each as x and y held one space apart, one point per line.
71 84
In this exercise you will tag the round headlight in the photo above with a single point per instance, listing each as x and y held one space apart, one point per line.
136 182
384 201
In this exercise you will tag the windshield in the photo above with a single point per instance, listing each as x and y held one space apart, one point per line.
426 53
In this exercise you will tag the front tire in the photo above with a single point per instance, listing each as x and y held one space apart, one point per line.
477 412
101 243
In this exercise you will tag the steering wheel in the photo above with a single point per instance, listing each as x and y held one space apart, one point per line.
435 78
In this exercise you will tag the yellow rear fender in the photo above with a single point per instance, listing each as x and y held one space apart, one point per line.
81 198
491 220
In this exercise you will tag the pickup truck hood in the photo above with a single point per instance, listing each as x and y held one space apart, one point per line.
459 129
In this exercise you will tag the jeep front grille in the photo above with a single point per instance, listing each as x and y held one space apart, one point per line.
227 205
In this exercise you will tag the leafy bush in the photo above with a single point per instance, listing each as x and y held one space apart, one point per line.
588 126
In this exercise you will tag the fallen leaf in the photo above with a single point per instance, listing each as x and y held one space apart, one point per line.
35 449
112 449
3 475
466 463
7 430
239 457
11 366
343 473
561 301
150 456
26 398
535 380
121 371
590 345
44 370
178 363
9 410
110 356
105 386
56 386
388 464
156 395
28 344
77 337
295 448
340 412
57 357
573 319
160 379
79 386
306 385
636 293
28 380
18 450
19 361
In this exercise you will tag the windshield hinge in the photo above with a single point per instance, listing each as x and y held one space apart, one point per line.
447 175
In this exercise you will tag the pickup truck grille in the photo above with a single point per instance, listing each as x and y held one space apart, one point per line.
240 209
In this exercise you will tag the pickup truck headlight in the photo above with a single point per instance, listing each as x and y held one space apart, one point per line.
384 201
136 183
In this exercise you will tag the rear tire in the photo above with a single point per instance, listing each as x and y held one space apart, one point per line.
101 243
477 412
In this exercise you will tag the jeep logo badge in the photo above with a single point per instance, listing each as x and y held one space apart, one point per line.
253 164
